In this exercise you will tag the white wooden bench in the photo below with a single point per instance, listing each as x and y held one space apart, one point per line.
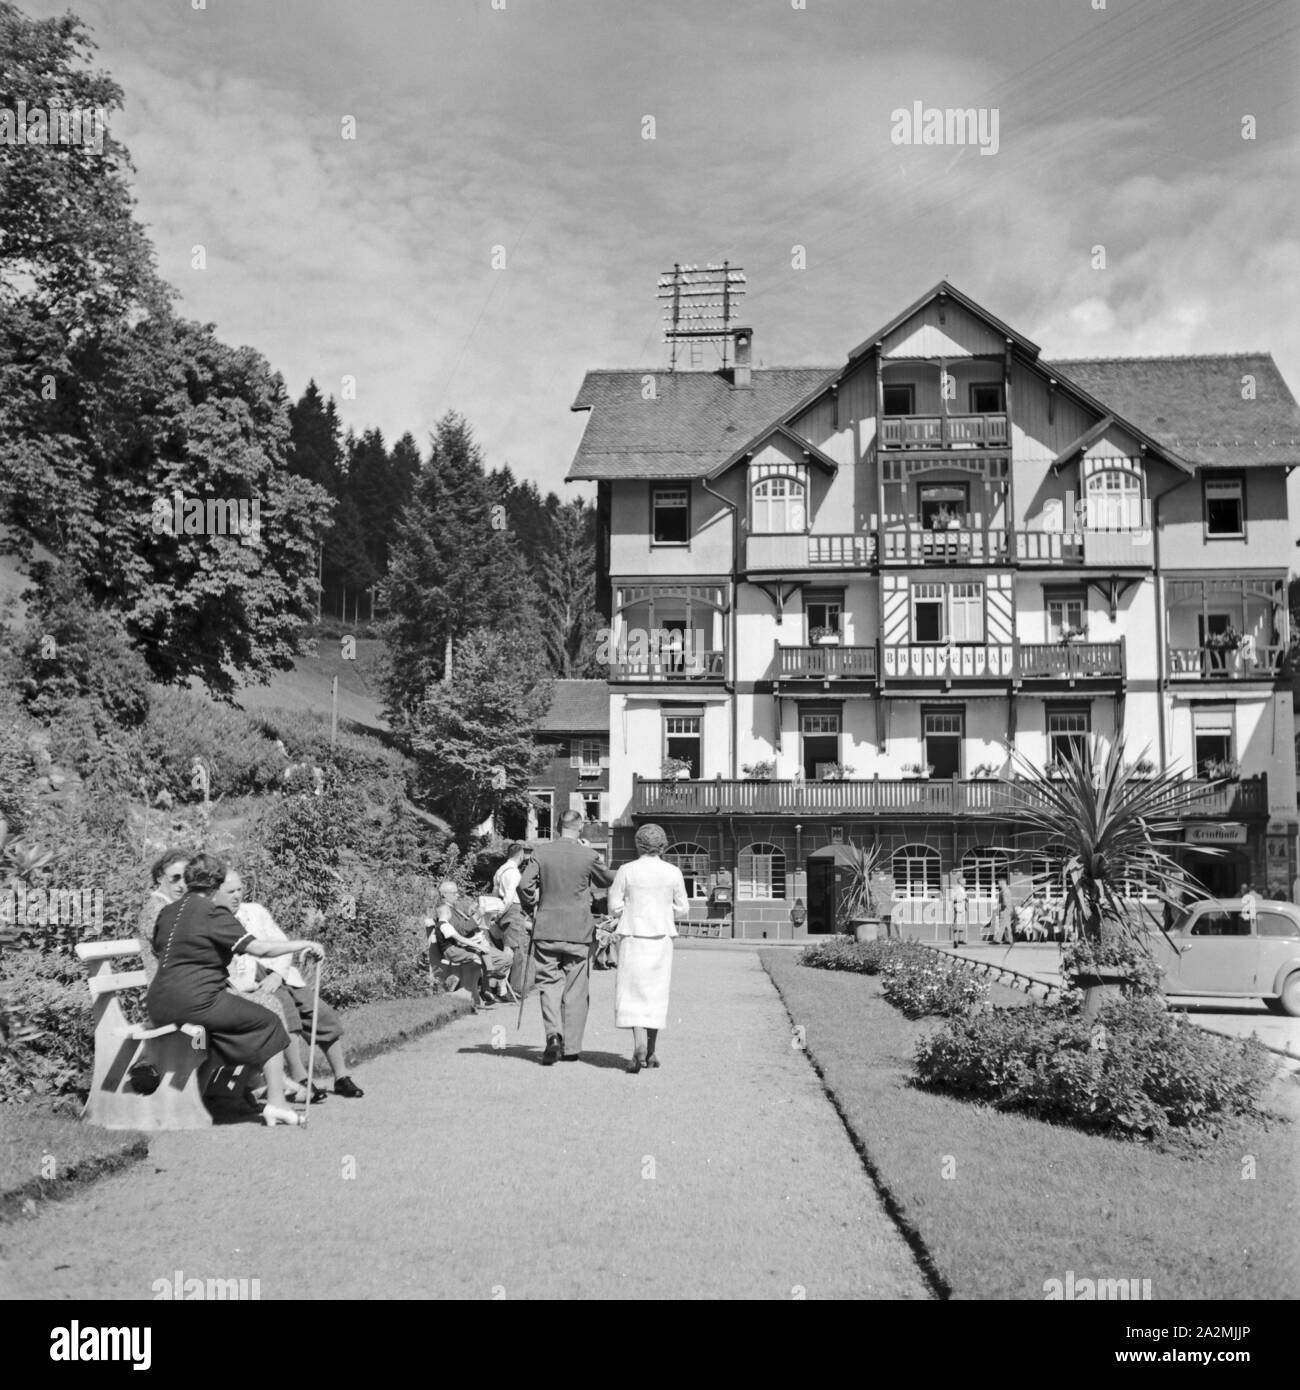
177 1050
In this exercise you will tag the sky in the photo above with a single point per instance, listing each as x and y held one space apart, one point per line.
491 130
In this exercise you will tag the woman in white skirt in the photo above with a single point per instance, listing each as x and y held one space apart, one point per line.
645 897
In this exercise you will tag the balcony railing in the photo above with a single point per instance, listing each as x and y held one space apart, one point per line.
698 666
925 661
943 431
1070 660
962 546
801 552
1129 549
1246 663
917 796
826 662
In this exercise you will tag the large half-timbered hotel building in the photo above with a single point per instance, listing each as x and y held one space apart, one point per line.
879 577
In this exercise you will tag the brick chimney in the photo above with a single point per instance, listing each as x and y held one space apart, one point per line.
744 345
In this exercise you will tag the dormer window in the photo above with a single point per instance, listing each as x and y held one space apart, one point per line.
1113 497
778 506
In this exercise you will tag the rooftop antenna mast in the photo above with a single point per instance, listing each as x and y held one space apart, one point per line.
699 306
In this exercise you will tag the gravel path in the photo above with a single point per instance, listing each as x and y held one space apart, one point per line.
471 1171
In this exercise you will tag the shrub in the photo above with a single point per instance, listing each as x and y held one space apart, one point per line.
862 957
182 726
75 651
921 982
47 1043
306 737
1139 1071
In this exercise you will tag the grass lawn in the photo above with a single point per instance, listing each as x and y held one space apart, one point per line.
33 1134
999 1204
307 686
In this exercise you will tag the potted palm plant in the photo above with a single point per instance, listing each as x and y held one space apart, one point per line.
674 769
856 910
1109 827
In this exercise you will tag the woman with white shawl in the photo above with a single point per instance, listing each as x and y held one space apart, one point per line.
645 897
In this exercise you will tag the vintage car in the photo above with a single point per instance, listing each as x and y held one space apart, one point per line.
1246 948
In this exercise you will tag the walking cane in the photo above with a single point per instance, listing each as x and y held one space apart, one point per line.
528 960
311 1055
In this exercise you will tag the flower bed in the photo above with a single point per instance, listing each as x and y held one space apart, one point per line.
1138 1071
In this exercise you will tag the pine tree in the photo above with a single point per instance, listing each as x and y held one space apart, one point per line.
452 569
471 735
370 486
568 586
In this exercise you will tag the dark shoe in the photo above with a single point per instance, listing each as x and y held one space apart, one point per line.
296 1091
570 1056
638 1061
145 1078
652 1060
486 1002
554 1050
345 1086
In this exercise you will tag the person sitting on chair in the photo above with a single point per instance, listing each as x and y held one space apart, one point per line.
464 941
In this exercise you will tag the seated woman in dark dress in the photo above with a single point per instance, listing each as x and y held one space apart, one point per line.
194 940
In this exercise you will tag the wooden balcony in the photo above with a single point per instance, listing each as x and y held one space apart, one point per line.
1070 661
943 431
962 546
840 552
1118 549
697 666
1247 663
917 796
825 662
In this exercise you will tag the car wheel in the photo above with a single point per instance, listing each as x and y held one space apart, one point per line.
1289 1002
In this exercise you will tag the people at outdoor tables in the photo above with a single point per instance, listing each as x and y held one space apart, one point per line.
194 940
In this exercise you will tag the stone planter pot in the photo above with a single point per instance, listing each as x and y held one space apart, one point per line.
866 930
1099 987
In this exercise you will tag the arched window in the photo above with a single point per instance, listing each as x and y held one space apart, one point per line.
984 869
916 871
1114 500
778 506
762 873
693 861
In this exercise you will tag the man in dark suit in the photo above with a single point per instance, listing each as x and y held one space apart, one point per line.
564 872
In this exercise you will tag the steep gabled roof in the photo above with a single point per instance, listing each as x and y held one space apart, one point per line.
1194 407
693 425
806 446
577 707
1030 349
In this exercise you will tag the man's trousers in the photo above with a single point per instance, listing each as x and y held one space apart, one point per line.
563 977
